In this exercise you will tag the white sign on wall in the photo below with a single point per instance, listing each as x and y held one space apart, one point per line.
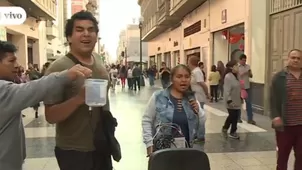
11 15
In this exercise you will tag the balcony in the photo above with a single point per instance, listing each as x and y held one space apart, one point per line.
159 22
151 29
38 8
51 31
180 8
163 14
282 5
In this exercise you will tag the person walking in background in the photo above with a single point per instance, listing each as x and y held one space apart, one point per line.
136 73
245 74
199 87
151 73
232 97
286 109
164 74
123 75
113 74
214 78
45 66
221 70
201 66
130 78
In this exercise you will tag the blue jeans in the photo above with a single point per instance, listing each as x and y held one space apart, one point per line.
201 131
151 80
248 104
165 84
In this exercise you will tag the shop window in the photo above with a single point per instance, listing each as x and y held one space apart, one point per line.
192 29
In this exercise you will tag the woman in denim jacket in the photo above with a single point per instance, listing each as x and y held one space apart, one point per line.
173 105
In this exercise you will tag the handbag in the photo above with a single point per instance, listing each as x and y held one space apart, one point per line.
244 94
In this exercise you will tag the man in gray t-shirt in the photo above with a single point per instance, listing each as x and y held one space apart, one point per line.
245 74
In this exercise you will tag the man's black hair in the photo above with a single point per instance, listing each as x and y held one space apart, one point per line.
242 56
6 47
82 15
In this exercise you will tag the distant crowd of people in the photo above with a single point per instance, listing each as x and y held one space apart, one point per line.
120 73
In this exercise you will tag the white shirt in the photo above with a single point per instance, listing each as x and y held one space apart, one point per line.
129 75
198 77
113 73
246 78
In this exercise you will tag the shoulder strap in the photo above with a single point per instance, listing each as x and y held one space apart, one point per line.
73 59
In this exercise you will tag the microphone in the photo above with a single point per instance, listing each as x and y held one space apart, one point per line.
191 97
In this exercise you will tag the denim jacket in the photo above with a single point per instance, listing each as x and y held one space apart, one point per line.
160 109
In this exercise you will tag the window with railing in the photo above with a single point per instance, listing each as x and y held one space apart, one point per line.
282 5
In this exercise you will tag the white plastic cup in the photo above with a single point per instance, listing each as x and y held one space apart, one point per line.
96 92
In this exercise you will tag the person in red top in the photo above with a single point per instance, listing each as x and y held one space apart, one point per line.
286 110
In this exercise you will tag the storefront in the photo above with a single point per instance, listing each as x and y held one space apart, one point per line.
167 59
159 61
192 52
152 61
228 44
176 58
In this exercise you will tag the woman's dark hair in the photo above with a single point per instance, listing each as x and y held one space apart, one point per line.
82 15
174 69
213 68
229 67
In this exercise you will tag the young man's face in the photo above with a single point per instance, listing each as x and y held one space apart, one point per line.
243 61
84 36
8 67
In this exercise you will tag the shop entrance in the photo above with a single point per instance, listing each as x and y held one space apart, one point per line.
228 44
192 52
176 58
167 59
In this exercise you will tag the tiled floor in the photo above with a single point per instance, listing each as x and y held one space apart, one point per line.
255 150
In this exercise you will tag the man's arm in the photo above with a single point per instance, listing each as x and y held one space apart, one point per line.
16 97
227 88
57 110
200 80
274 98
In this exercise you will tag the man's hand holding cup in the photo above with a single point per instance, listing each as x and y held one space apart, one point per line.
79 71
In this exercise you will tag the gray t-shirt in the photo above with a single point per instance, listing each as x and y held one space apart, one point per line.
246 78
198 77
15 98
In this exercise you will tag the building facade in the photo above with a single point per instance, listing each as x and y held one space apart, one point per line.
221 30
129 43
31 43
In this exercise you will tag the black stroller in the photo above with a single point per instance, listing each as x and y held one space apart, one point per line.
167 157
179 159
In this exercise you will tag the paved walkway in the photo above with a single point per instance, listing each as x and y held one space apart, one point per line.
255 150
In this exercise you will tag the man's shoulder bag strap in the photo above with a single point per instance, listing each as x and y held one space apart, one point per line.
73 59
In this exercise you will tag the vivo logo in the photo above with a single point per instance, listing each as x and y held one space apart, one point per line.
12 15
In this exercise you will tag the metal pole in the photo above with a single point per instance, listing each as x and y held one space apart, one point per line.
140 47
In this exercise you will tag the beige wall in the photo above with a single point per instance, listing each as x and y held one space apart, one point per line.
221 48
238 12
32 30
258 30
